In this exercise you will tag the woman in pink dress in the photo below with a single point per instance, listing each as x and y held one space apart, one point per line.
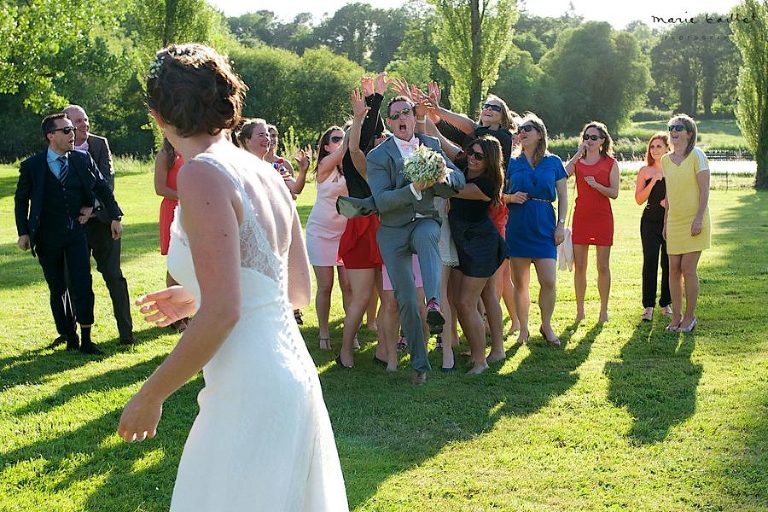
325 227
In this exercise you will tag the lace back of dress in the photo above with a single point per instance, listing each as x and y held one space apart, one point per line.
262 242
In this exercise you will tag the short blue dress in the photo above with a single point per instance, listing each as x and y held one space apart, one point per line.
531 225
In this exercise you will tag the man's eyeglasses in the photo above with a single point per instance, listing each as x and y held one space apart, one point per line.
676 128
404 112
66 130
591 137
471 153
527 128
491 106
337 138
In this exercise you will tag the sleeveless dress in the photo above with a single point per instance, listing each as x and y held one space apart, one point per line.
325 225
683 199
262 440
592 215
168 205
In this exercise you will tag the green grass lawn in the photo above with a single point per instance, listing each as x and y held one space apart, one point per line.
624 417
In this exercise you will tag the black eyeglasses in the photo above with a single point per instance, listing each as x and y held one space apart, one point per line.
471 153
527 128
495 108
337 138
591 137
676 128
66 130
404 112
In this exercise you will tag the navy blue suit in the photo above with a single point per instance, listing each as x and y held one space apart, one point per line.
47 210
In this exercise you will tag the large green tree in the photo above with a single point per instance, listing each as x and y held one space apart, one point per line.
751 37
593 72
474 37
694 65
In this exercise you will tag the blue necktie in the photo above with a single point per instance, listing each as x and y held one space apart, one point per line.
64 170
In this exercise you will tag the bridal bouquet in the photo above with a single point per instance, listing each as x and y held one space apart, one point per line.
424 165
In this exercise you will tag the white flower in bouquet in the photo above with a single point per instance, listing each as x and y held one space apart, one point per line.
424 165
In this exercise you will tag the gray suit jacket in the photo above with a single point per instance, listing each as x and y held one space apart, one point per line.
395 203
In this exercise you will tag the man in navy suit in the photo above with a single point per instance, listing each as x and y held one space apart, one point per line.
104 248
53 201
410 224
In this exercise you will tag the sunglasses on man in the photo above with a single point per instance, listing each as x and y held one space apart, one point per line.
676 128
66 130
404 112
491 106
591 137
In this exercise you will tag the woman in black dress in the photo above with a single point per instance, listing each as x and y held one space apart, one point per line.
480 248
650 189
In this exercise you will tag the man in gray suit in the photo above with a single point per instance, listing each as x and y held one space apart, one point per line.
103 246
410 225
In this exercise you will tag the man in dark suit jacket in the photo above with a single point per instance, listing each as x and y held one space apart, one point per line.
104 248
410 224
53 201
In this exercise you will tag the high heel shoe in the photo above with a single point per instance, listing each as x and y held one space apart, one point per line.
690 327
555 342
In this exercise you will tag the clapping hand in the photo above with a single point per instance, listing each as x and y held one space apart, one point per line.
166 306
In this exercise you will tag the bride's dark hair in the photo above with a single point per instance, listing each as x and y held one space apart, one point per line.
194 89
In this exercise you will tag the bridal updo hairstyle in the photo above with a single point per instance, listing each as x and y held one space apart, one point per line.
194 89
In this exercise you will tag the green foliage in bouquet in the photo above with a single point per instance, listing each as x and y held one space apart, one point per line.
424 165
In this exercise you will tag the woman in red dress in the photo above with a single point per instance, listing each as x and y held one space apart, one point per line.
597 182
167 165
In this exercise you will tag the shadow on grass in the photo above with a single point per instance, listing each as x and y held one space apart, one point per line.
656 381
21 269
386 426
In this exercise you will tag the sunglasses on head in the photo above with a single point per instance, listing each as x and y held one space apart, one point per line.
404 112
527 128
676 128
66 130
491 106
591 137
336 138
471 153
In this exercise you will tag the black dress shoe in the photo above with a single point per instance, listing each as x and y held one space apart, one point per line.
342 365
91 349
58 341
73 342
127 341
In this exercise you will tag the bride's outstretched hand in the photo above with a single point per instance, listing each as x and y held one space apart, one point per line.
140 418
164 307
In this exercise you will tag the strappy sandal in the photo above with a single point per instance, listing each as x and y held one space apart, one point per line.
325 342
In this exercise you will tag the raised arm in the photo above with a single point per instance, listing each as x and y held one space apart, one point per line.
330 163
570 165
359 112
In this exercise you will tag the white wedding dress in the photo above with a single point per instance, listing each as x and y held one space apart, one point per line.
262 440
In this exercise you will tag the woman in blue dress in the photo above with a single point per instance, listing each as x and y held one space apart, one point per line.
535 178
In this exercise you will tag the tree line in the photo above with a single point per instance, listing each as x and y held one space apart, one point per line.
300 72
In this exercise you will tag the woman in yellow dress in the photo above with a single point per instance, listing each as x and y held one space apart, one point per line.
686 223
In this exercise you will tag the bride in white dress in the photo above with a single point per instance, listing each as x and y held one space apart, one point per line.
262 439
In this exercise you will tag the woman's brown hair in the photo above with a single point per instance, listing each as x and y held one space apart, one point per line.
493 159
194 89
606 148
656 136
541 146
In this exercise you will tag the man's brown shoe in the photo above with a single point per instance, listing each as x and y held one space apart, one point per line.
419 378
